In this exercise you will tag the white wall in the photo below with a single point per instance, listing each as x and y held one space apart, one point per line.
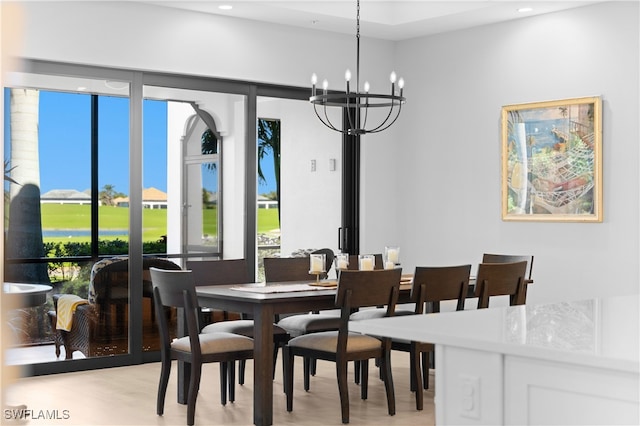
432 183
310 200
449 164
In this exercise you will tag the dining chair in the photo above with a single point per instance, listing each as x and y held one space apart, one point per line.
282 269
501 279
91 330
232 271
177 289
356 289
510 258
431 285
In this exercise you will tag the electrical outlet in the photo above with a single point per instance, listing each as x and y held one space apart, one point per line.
313 165
469 396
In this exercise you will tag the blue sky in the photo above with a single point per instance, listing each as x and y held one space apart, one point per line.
65 135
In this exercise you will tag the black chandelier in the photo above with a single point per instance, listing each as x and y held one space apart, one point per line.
357 104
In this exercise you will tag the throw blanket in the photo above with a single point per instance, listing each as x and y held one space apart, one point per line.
67 305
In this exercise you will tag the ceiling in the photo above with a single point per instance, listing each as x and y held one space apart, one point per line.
383 19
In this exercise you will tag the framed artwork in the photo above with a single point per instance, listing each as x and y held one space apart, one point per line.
552 161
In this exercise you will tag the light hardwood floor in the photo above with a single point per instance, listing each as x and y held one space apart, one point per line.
127 396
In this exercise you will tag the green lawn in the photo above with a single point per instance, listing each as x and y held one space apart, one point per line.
154 221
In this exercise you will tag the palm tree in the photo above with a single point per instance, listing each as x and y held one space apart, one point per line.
24 233
269 141
107 195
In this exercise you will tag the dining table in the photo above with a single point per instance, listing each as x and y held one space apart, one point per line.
264 301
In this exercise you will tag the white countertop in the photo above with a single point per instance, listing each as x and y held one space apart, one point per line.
602 332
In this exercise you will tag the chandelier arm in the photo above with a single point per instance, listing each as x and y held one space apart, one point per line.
327 123
348 107
377 129
363 126
386 119
328 120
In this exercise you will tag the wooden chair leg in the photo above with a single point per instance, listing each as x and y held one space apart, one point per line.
412 377
223 382
231 371
364 379
242 364
306 363
356 372
415 356
194 386
288 376
341 373
427 360
388 383
275 359
312 366
165 371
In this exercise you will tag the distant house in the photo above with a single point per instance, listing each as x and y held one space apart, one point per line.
65 196
152 198
265 203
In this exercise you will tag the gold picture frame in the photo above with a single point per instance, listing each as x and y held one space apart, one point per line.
552 161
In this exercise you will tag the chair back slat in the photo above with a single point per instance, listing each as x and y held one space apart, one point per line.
220 272
368 288
441 283
287 269
510 258
176 288
170 285
501 279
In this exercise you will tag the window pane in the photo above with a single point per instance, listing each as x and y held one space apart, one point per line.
48 158
113 175
154 179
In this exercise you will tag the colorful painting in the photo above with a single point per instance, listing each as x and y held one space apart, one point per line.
551 161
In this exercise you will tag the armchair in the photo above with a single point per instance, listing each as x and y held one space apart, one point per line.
94 327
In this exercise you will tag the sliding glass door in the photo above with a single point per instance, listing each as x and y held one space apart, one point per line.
118 164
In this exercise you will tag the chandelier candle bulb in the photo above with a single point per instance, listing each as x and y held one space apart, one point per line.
347 77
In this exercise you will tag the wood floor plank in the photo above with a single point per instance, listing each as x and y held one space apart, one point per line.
127 396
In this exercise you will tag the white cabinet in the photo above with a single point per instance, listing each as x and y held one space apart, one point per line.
565 363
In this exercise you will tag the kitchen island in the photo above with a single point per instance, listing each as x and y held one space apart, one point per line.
569 363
